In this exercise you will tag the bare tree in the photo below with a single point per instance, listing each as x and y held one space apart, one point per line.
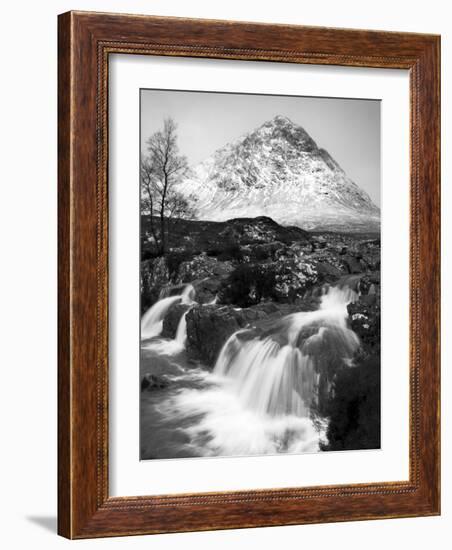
161 171
148 192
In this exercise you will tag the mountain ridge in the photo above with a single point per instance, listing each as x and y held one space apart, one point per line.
277 170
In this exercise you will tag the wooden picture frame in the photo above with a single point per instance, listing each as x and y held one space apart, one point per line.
85 42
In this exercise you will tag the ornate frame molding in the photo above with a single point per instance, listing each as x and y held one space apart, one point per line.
85 42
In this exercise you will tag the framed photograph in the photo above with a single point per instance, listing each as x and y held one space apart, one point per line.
248 275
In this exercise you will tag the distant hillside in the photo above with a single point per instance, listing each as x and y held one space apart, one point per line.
204 236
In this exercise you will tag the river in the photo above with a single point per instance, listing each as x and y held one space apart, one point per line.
259 397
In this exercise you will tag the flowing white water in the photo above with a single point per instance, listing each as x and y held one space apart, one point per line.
259 397
181 333
152 320
279 373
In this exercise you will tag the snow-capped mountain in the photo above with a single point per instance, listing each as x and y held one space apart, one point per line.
279 171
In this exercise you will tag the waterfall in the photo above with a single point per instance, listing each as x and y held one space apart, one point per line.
152 320
188 294
181 333
278 373
258 399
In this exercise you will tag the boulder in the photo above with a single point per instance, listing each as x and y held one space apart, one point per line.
319 242
327 272
293 278
206 289
265 251
365 322
154 275
151 382
353 264
261 230
369 284
202 267
210 326
172 318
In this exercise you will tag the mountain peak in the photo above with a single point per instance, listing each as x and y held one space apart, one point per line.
283 128
277 170
280 119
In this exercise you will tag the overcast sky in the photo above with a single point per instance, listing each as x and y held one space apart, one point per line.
349 129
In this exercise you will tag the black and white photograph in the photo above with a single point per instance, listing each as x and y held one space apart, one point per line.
259 274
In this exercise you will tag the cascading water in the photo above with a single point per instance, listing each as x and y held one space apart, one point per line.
152 320
278 373
259 397
181 333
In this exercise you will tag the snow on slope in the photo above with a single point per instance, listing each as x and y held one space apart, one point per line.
278 171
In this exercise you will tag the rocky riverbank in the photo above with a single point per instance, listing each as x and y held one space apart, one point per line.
251 273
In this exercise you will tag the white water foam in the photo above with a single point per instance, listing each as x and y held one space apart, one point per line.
258 398
152 320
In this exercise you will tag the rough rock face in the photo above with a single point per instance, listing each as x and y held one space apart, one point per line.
202 267
353 405
206 274
207 289
218 239
151 382
293 278
353 265
172 318
327 272
281 271
365 321
285 276
279 171
154 276
209 327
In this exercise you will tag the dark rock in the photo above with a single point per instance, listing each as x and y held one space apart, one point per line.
340 248
354 407
247 285
154 276
293 278
207 289
284 280
365 321
369 252
266 251
368 299
174 259
319 242
202 267
151 382
363 285
261 230
367 285
327 272
209 326
172 318
353 264
171 290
